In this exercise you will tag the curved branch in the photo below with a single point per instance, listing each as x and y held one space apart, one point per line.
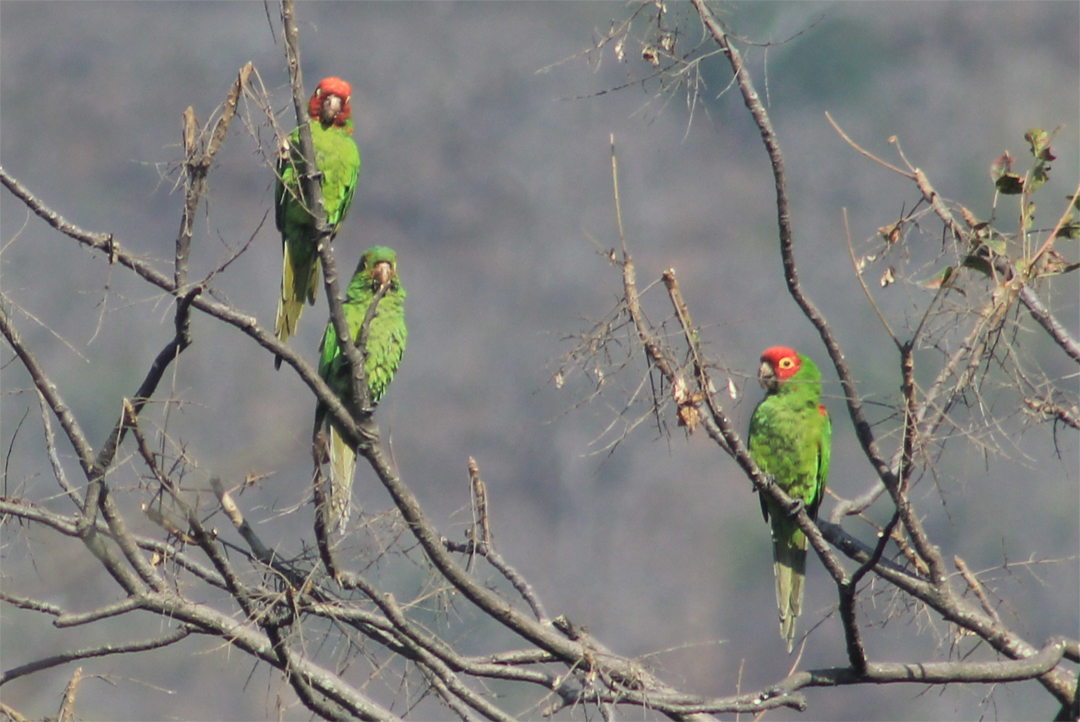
256 643
931 672
75 435
108 245
56 660
757 110
311 189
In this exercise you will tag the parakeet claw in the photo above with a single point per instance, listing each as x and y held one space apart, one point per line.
793 510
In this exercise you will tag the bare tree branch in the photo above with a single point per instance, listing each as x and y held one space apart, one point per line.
104 650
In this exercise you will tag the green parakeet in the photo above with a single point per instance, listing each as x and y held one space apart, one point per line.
338 160
385 346
790 438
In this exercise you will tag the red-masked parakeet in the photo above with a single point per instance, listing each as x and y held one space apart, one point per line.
338 160
385 346
790 436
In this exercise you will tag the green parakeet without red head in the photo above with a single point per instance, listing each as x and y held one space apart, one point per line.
790 439
338 160
385 347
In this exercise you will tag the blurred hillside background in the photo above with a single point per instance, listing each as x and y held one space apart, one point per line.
486 165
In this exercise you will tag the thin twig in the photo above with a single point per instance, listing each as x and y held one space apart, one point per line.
867 153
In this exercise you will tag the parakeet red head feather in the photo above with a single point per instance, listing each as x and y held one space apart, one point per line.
330 102
782 363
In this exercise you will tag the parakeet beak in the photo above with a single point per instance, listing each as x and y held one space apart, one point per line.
331 106
382 273
766 376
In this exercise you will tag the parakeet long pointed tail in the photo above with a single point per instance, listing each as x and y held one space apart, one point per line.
299 283
342 467
789 567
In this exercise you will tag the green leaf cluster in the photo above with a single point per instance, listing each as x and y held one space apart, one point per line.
987 242
1009 182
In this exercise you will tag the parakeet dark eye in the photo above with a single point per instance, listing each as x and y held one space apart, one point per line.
786 363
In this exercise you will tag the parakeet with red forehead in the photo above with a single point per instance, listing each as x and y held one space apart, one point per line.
385 346
790 439
338 160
